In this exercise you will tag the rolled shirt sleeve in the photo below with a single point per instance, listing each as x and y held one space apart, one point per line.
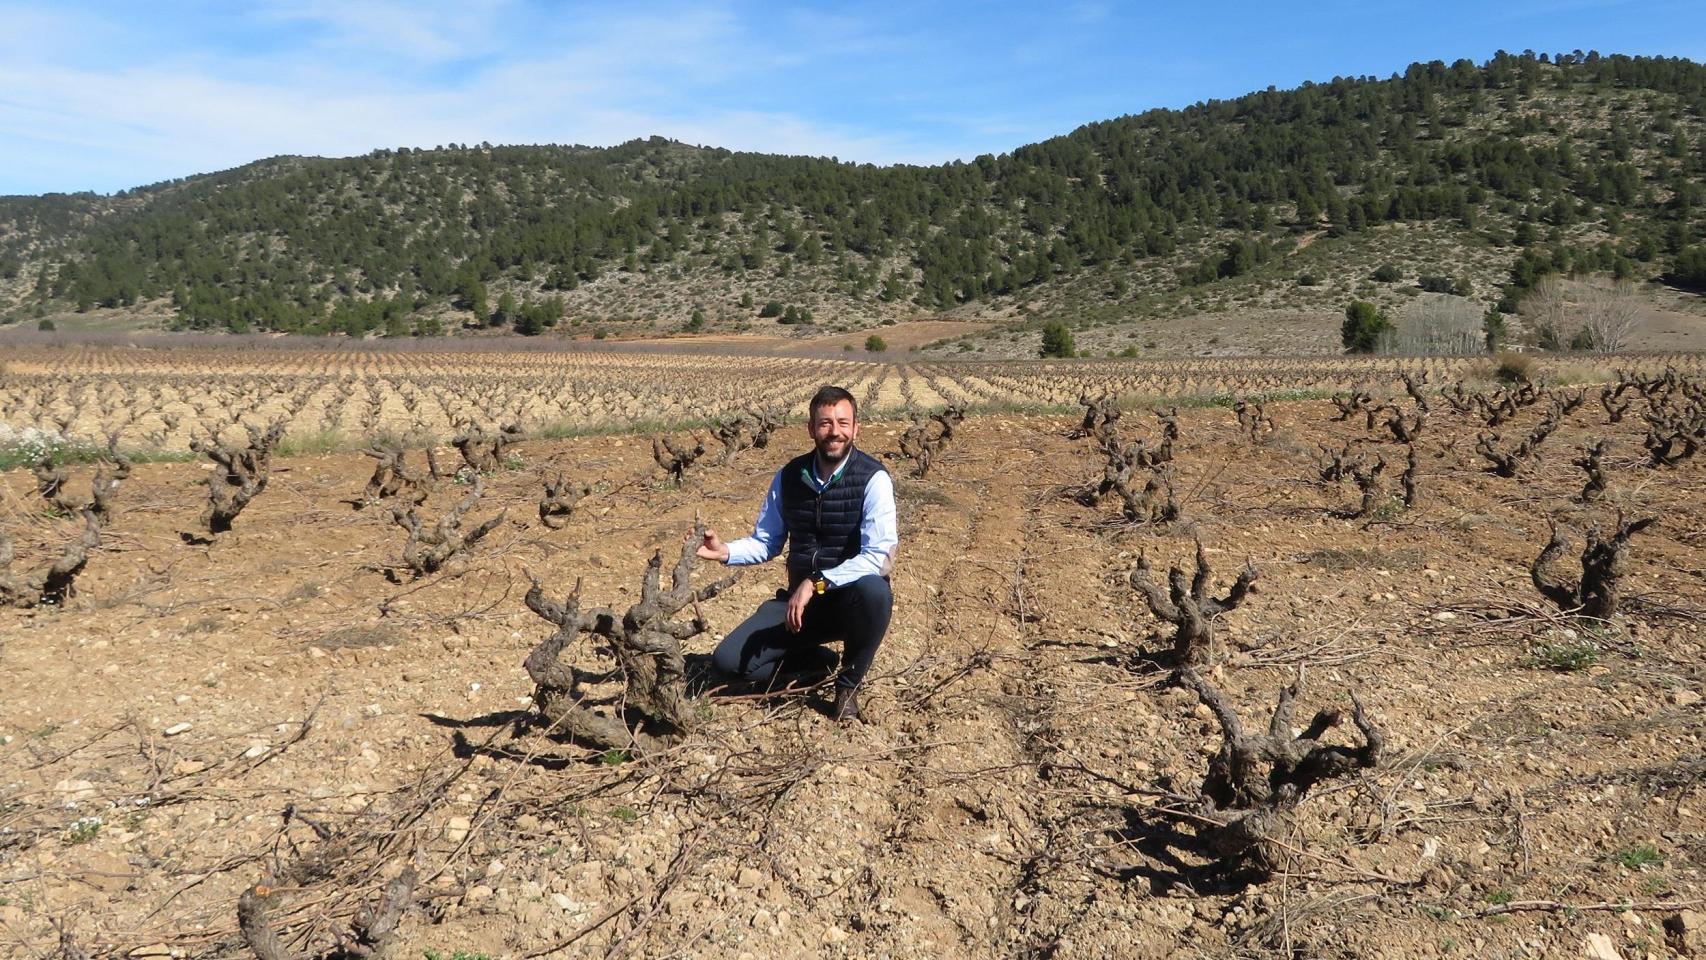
768 534
878 531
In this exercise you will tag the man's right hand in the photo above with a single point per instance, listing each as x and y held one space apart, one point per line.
713 547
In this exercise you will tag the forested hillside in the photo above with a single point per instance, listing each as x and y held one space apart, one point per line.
1501 172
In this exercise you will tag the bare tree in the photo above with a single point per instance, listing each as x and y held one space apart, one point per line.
1546 311
1438 326
1610 310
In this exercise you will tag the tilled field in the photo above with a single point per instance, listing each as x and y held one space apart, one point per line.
289 706
161 399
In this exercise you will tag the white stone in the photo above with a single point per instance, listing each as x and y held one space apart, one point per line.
78 789
456 829
178 728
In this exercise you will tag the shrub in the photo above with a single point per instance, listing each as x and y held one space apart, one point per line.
1690 270
1057 340
875 344
44 324
1388 273
1513 368
1565 657
771 309
1363 327
1308 280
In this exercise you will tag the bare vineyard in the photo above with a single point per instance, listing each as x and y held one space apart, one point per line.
162 400
1362 658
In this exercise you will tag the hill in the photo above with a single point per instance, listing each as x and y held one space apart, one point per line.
1469 181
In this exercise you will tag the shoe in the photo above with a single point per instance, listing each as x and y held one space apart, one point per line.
846 705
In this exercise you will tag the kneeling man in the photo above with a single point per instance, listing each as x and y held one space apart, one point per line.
834 506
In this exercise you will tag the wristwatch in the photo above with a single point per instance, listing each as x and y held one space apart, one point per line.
820 586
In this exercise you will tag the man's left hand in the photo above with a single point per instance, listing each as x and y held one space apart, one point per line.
796 619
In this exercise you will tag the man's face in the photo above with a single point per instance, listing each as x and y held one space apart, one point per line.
833 429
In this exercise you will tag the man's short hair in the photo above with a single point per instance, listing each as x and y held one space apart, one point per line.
829 397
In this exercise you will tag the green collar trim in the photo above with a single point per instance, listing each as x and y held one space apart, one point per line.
810 472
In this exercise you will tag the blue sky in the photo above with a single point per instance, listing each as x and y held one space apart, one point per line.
103 96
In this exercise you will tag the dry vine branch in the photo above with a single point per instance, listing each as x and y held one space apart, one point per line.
1405 429
392 476
1604 561
731 433
1367 478
1253 420
1592 460
243 475
1502 463
1255 782
429 548
919 444
1413 384
559 500
483 451
676 459
646 643
1188 606
53 582
1408 479
1100 416
369 934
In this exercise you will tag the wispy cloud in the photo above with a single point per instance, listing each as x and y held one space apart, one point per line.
102 95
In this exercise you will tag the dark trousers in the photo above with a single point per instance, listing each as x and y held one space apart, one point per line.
856 614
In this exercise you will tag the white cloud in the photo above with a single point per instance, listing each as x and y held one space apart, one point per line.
595 79
422 31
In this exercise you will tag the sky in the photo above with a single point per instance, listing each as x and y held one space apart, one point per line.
106 96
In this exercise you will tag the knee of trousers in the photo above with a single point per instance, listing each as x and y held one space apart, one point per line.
872 591
727 655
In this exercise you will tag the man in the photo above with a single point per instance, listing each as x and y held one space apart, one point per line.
835 508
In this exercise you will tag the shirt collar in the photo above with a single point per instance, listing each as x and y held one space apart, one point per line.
810 471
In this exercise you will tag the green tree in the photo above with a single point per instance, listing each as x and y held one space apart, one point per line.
1493 325
1057 340
505 313
875 344
1363 327
1690 268
471 294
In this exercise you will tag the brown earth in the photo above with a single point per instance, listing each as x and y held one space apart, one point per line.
1006 797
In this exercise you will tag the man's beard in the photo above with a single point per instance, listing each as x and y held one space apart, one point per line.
824 455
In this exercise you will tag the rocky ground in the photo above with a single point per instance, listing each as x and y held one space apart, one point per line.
289 706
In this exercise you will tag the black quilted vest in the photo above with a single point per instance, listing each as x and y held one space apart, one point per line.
823 528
